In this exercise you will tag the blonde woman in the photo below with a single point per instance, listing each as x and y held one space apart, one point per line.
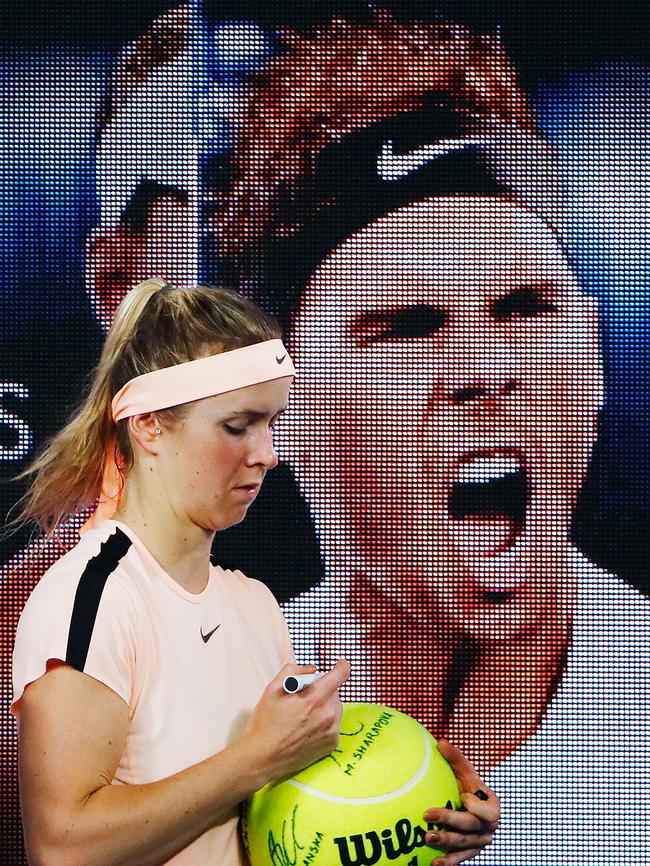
147 682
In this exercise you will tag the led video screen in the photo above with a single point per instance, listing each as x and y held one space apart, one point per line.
445 208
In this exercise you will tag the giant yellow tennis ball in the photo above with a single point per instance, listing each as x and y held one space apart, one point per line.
360 806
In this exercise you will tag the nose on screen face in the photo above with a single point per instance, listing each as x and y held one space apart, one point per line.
477 369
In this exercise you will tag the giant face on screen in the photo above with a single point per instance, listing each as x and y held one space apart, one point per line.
383 187
403 216
446 407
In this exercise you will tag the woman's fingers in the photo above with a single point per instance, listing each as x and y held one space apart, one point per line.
488 810
453 842
475 794
463 833
467 777
460 822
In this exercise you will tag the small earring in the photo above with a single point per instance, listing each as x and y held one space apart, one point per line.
157 430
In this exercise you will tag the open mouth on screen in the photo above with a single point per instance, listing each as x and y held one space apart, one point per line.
487 502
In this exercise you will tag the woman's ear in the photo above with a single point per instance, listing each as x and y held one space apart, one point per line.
146 431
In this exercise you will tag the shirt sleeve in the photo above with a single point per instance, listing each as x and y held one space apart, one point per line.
60 624
282 631
279 627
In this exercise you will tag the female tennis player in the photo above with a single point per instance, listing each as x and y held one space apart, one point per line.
148 683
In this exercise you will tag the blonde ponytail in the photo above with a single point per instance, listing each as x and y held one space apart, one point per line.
156 326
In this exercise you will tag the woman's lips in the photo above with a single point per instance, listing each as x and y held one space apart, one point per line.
248 490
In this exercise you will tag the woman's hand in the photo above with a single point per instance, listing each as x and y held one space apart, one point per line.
463 833
289 732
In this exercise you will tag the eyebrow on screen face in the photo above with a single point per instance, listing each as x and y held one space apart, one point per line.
420 320
136 211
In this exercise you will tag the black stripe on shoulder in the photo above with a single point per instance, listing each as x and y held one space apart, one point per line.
89 592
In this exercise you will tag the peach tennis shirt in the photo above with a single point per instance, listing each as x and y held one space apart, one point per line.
191 667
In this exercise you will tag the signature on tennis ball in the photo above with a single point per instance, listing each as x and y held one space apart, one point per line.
390 843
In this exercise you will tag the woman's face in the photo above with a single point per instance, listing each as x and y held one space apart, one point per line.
215 459
446 404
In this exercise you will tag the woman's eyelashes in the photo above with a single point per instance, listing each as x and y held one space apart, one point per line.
240 431
234 431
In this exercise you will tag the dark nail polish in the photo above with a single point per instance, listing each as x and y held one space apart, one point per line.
481 794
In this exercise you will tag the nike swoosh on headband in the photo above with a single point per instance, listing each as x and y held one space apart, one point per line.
206 637
392 166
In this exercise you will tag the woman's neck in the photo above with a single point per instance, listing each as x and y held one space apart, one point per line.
179 546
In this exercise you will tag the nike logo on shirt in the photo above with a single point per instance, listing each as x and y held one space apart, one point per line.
206 637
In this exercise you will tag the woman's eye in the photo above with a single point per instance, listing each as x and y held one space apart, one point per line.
234 431
522 304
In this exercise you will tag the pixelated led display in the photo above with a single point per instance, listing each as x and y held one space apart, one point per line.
452 233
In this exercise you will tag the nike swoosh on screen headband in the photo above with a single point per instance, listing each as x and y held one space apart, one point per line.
392 166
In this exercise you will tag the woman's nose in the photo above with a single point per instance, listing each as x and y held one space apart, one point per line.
271 459
264 453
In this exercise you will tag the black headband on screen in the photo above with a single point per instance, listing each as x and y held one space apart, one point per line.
387 165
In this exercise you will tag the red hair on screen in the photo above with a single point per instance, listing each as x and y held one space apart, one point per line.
345 76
